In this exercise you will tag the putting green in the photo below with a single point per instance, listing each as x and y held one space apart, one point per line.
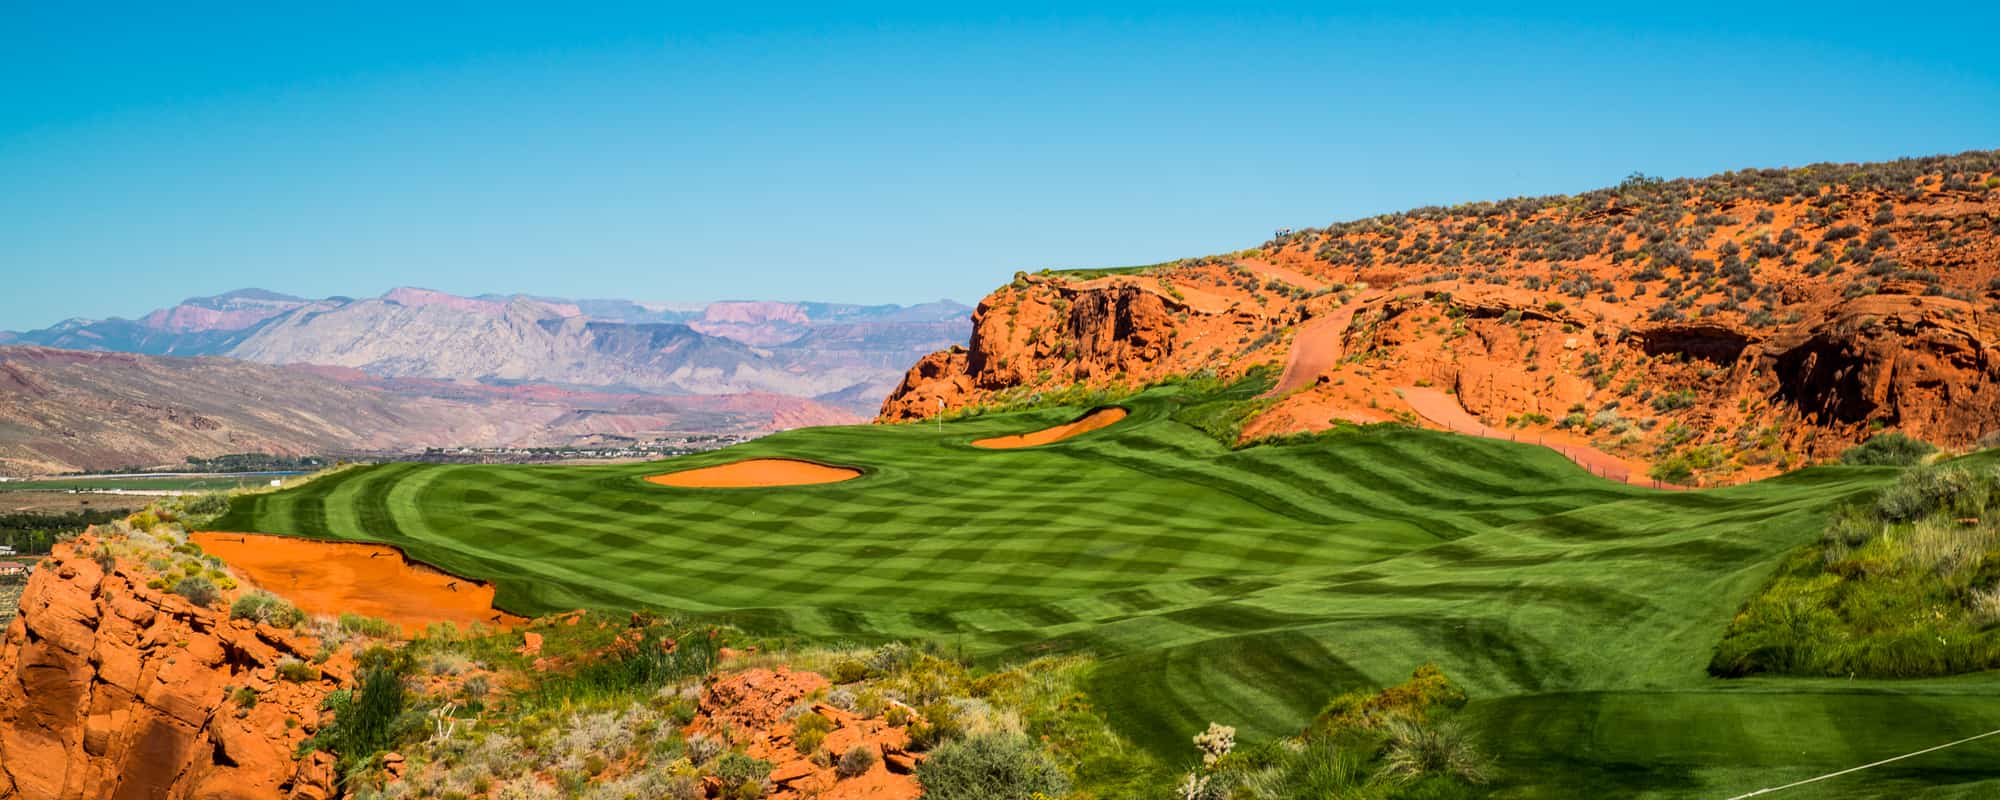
1244 586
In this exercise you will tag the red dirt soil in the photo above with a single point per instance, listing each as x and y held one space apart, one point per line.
1442 410
756 472
1101 418
369 579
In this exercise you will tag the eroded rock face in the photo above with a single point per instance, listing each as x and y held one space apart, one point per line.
1926 365
1044 329
109 689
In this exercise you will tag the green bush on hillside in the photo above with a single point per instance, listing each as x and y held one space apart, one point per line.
991 766
1888 450
266 608
1907 586
1401 741
198 590
369 720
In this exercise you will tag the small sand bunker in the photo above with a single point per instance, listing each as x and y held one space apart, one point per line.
1094 420
756 472
372 580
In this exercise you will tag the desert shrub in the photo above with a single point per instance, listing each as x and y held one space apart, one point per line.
244 697
935 724
1905 586
198 590
1673 401
1417 750
356 624
737 769
1925 491
857 760
296 671
369 720
266 608
1888 450
992 766
809 730
644 657
211 504
106 560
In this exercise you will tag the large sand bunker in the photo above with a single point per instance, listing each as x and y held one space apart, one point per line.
372 580
1094 420
756 472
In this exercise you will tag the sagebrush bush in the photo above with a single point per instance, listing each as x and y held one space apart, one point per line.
266 608
198 590
296 671
356 624
987 767
856 761
1888 450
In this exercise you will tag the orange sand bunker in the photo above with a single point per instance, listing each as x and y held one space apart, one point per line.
1094 420
372 580
757 472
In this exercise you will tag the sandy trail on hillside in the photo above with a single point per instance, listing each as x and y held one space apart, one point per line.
1444 410
1094 420
1316 348
1286 274
373 580
756 472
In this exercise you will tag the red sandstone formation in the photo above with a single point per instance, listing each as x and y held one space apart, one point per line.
109 689
751 708
1761 319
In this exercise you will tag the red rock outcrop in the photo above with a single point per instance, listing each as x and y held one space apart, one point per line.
1929 366
1746 323
1050 331
750 707
109 689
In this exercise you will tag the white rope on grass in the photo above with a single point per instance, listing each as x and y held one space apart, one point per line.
1793 784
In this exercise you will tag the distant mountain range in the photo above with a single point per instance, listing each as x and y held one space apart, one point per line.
65 410
849 356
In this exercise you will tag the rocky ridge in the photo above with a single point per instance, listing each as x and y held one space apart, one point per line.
1726 328
109 689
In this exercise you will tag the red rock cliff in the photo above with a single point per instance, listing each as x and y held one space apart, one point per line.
109 689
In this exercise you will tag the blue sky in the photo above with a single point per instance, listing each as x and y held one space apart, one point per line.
875 154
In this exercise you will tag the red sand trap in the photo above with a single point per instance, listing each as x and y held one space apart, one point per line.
372 580
756 472
1094 420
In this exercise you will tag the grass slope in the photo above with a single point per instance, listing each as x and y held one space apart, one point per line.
1241 586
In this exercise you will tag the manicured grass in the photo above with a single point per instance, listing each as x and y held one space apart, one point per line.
1245 587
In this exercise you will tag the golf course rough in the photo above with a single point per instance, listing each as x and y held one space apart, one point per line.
1239 586
756 472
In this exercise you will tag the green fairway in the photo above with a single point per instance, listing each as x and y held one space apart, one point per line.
1245 587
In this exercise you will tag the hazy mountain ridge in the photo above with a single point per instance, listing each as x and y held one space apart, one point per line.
622 345
64 410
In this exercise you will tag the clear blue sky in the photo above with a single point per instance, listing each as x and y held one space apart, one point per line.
887 155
